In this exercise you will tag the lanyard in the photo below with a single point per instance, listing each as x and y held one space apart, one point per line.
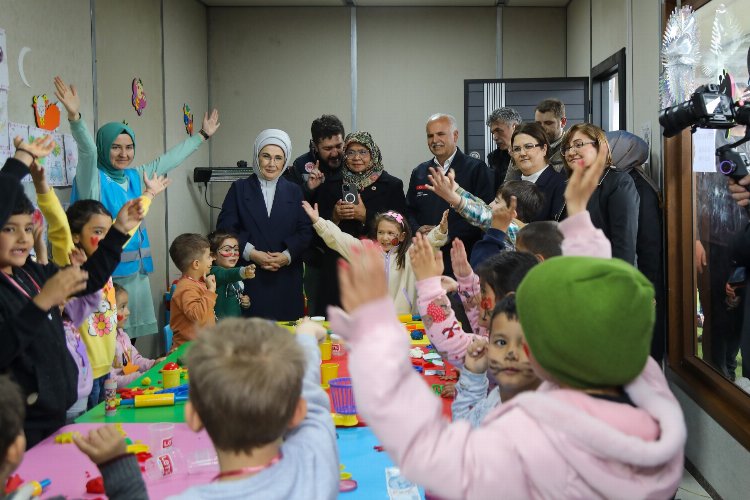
19 287
247 470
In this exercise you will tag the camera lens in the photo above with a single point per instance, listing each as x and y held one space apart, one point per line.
678 117
350 198
726 167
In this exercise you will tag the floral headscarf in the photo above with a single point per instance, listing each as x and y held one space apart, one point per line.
373 171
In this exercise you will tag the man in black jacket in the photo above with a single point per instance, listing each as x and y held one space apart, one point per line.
424 208
502 122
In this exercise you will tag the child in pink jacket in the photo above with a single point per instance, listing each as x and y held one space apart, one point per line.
603 424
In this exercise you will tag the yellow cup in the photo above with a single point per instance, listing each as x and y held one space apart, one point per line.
325 350
328 372
171 378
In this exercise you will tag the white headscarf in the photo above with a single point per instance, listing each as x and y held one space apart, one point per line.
277 138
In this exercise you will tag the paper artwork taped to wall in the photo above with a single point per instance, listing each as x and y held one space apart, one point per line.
139 96
54 163
17 130
46 114
71 157
187 117
4 82
4 141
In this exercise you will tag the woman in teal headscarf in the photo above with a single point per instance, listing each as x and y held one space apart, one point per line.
104 173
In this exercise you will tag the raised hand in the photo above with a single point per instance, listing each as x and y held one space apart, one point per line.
425 262
311 211
448 284
102 444
211 123
443 185
315 178
306 326
129 216
502 214
476 356
363 280
39 177
38 148
583 182
69 97
459 259
63 284
444 222
156 184
77 257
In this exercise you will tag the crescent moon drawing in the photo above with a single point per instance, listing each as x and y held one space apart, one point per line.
21 56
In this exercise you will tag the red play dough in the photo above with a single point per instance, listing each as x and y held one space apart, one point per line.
95 485
13 483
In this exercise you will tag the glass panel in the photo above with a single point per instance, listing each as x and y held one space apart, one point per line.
613 104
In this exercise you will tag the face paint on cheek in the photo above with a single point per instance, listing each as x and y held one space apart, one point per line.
486 304
526 350
120 317
94 241
394 242
580 162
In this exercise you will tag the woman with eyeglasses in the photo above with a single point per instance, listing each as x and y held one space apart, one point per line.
614 204
265 212
530 151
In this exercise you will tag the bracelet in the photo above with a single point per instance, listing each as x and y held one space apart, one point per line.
203 133
33 156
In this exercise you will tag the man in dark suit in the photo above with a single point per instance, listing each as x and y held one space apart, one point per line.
502 122
424 208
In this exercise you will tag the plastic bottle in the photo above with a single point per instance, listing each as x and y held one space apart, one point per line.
31 489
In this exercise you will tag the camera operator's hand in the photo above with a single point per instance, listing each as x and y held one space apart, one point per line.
739 190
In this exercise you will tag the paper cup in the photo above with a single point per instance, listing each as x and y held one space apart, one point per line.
162 435
325 350
328 372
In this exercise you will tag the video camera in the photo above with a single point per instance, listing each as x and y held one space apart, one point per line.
711 106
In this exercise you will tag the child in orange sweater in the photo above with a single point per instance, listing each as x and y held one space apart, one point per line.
194 296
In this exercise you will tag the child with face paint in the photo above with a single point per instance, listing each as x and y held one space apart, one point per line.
230 290
128 363
393 236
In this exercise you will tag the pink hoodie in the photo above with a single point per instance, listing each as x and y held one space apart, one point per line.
580 237
552 443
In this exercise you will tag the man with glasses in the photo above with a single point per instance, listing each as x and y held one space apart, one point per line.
502 122
323 161
424 208
550 114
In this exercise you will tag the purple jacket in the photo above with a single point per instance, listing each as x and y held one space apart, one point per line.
76 311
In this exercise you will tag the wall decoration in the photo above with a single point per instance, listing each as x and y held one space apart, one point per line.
3 61
680 55
17 130
46 114
187 117
71 157
54 163
21 56
4 141
727 41
139 96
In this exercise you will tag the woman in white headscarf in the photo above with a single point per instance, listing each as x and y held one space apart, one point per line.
265 212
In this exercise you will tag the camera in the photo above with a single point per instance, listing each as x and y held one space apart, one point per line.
733 164
349 193
708 107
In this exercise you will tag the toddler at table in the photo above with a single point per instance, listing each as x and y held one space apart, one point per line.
255 388
128 364
105 446
194 297
231 298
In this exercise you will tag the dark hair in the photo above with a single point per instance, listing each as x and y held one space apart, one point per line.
119 288
541 237
555 105
186 248
12 413
80 212
22 206
534 130
504 271
326 126
403 247
216 238
507 306
529 198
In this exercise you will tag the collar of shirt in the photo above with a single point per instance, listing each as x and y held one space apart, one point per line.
268 189
447 162
534 177
557 142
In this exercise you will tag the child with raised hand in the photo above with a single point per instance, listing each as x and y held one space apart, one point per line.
494 239
230 296
194 297
105 446
393 236
33 338
255 388
603 423
128 363
503 355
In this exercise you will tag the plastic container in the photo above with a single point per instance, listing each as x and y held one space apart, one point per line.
201 461
328 371
165 464
343 396
325 350
337 346
162 436
110 397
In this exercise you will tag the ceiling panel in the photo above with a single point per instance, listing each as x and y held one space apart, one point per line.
274 3
385 3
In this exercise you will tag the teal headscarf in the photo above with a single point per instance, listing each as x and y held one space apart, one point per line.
104 139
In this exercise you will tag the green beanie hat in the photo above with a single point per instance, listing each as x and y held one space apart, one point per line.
588 321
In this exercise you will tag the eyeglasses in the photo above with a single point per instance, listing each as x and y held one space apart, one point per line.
575 145
353 154
526 147
271 159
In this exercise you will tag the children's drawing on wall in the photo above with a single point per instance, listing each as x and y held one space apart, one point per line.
71 157
139 96
187 117
17 130
4 82
4 141
54 163
46 114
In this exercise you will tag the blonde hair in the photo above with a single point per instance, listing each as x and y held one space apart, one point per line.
592 132
245 382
